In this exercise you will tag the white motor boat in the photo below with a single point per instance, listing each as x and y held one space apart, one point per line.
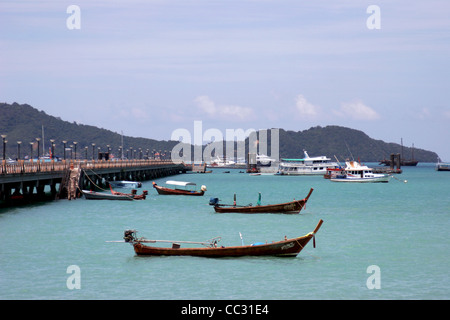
355 172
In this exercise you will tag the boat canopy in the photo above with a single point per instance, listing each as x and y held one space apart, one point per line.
180 183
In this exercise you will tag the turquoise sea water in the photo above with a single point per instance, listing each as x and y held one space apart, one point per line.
402 228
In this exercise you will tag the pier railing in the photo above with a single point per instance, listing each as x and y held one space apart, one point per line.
26 166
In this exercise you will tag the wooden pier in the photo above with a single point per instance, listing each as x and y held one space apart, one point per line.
24 181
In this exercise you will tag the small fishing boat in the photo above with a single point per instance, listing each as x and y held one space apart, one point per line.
133 194
93 195
125 184
178 191
291 207
355 172
442 166
283 248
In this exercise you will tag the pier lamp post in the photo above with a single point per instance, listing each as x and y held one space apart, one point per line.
75 152
18 149
120 152
31 151
38 139
52 141
4 146
64 142
93 151
86 149
71 148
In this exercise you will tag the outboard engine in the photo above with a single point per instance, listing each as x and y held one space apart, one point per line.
213 201
129 235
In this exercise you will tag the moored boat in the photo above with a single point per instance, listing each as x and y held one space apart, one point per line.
178 191
125 184
221 163
291 207
306 166
93 195
263 160
133 194
284 248
355 172
441 166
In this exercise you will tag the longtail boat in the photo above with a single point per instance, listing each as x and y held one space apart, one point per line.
93 195
131 195
291 207
283 248
178 191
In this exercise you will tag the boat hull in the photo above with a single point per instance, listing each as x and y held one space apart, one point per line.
285 248
362 180
293 207
289 248
443 167
92 195
168 191
306 171
133 195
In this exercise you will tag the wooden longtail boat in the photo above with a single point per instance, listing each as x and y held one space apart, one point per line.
284 248
177 191
292 207
92 195
132 194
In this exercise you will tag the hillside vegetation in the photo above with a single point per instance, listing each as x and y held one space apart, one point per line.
22 122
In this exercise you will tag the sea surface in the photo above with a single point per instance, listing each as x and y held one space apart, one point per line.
378 241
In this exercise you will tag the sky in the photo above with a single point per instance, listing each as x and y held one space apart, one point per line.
150 67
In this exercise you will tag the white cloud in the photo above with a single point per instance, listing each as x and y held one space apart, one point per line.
208 106
306 108
357 110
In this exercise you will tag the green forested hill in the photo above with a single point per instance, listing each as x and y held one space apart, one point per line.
345 143
21 122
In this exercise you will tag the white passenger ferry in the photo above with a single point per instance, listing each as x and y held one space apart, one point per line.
306 166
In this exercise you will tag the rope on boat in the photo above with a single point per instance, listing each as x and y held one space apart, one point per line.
314 241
